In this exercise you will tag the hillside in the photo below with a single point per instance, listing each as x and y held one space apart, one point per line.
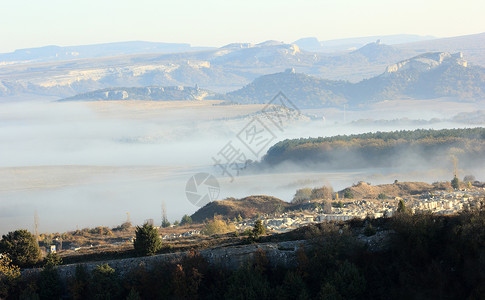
246 207
347 44
146 93
364 190
307 91
429 75
408 149
475 117
472 46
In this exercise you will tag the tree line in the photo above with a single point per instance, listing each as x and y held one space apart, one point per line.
380 148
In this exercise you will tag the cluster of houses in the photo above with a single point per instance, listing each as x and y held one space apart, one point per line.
174 236
440 202
447 203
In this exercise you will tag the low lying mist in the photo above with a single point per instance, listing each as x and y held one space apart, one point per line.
88 164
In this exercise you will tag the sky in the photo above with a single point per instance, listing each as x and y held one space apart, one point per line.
34 23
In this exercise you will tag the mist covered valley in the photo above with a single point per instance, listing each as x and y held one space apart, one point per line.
85 164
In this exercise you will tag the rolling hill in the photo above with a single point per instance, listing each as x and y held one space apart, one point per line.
231 208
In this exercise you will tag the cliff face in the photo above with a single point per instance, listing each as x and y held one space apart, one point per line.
427 61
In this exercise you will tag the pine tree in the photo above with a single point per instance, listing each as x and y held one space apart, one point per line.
21 247
147 240
401 207
455 183
258 228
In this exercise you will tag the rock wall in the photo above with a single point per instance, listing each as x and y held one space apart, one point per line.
283 254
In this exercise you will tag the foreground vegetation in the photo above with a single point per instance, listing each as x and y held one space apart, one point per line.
426 256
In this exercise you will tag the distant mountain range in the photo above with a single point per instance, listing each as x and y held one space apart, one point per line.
350 44
429 75
57 53
221 70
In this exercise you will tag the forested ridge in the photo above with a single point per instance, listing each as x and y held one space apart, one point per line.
381 148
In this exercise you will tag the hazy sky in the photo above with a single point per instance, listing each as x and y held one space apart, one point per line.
32 23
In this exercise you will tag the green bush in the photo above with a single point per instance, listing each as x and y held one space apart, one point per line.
369 230
348 194
79 284
165 223
51 260
257 231
105 283
382 196
50 284
455 183
186 219
147 240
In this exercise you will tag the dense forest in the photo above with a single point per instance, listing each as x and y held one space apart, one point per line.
437 148
426 257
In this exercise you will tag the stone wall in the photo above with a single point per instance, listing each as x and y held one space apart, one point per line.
283 254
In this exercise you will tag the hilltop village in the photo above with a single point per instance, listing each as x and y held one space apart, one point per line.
360 201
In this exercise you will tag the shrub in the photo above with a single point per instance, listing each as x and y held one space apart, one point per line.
258 230
369 230
52 260
186 219
247 232
165 223
382 196
469 178
348 194
302 195
401 207
123 227
147 240
248 283
133 295
105 283
322 193
79 285
218 226
455 183
7 268
50 284
349 282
